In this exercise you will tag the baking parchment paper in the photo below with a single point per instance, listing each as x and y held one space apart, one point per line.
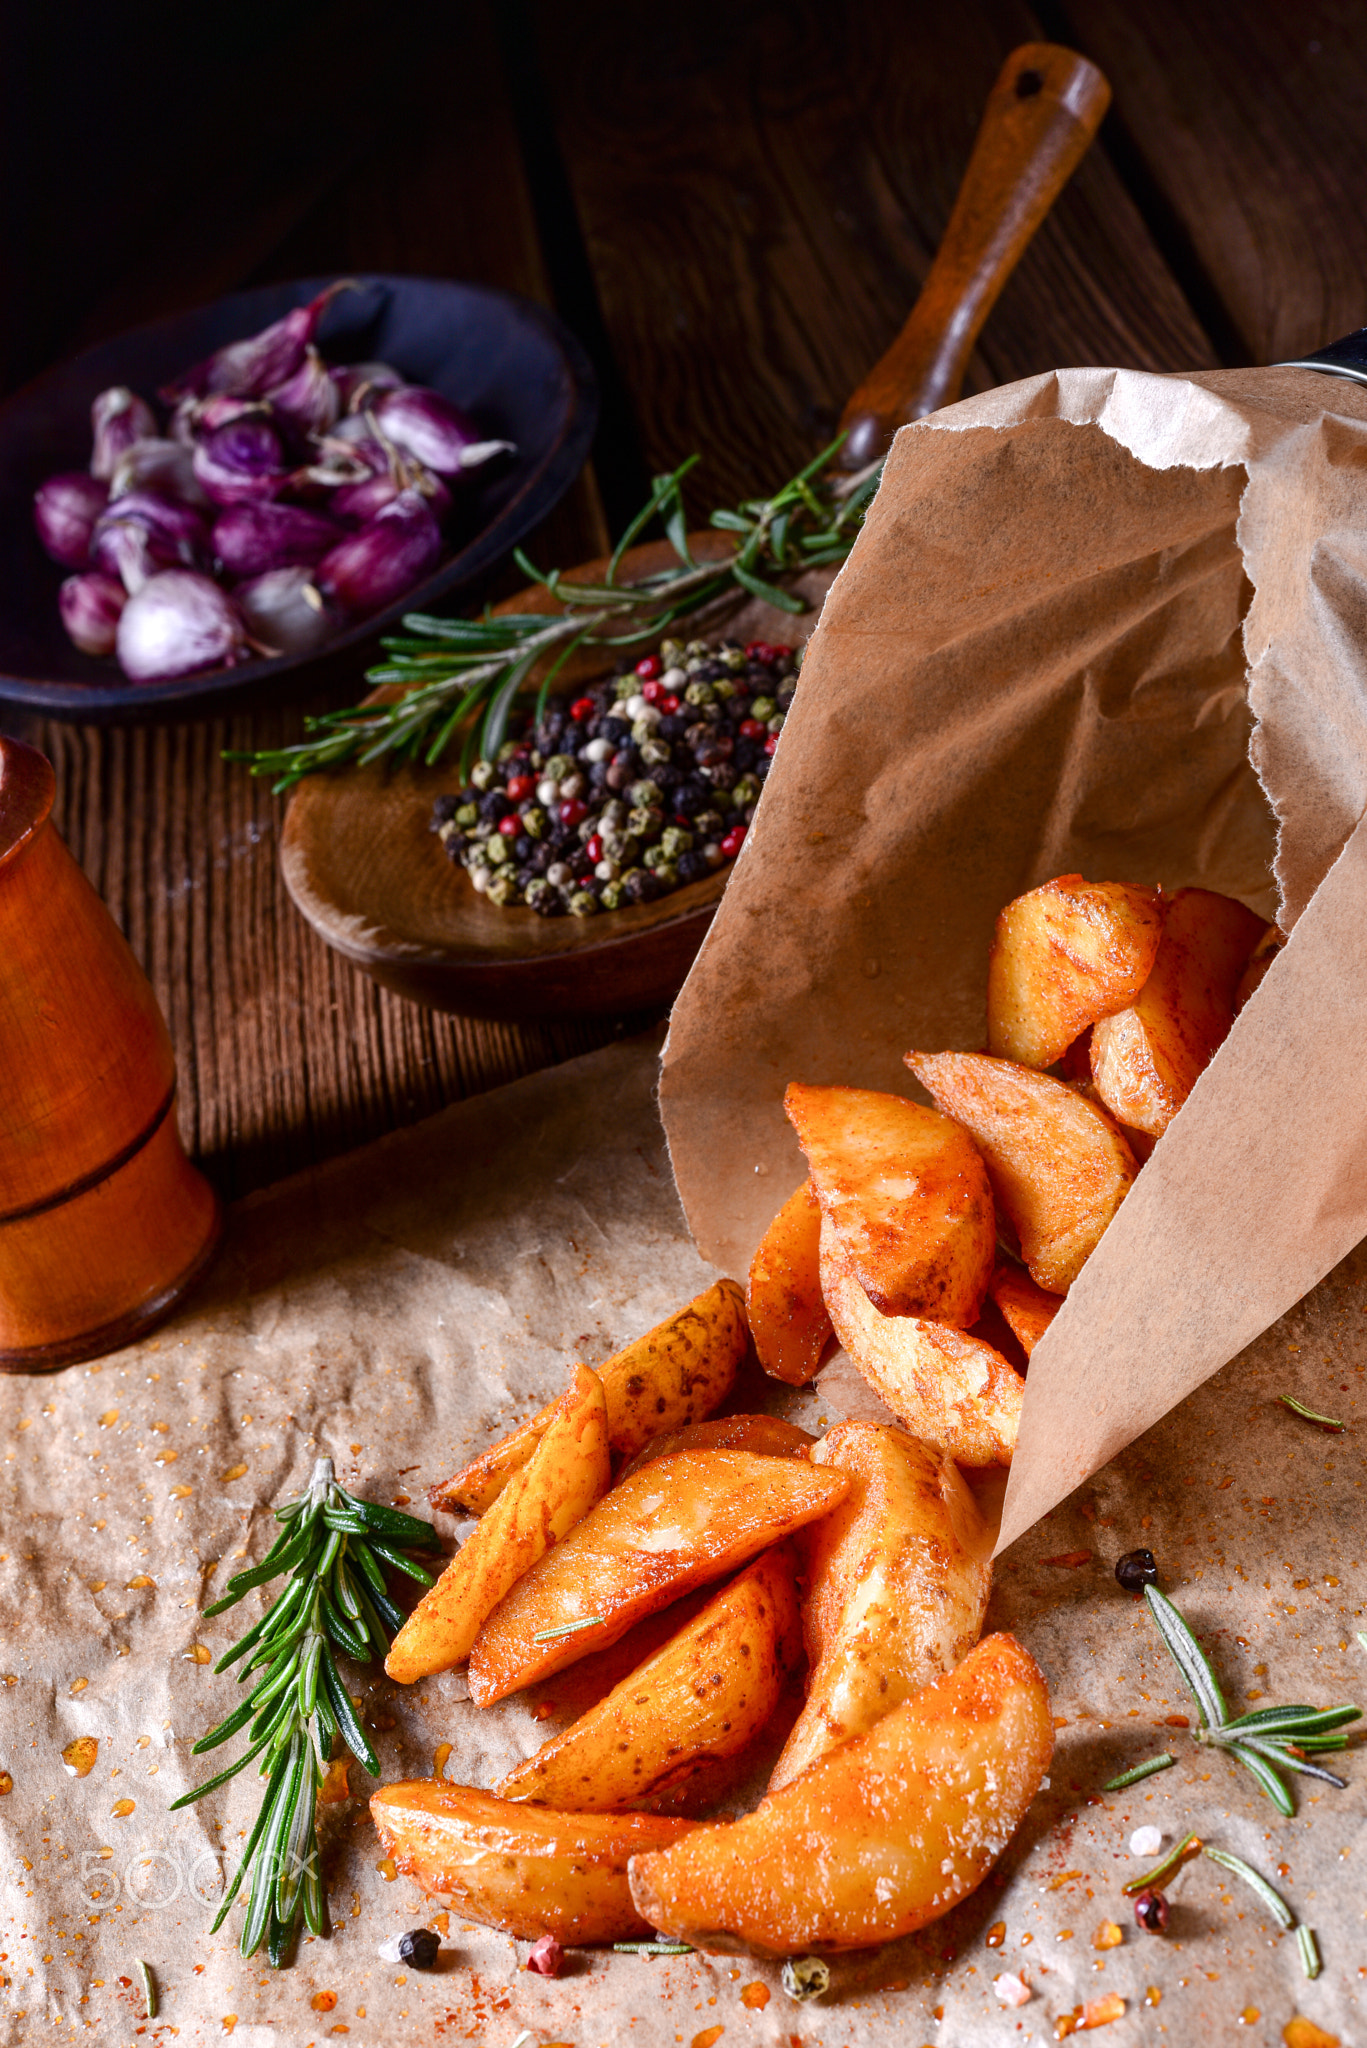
1098 621
398 1308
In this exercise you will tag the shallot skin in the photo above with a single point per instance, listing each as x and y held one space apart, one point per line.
118 418
250 368
91 606
369 569
284 612
65 509
251 539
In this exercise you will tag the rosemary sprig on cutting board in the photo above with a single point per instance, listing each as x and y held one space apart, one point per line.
334 1548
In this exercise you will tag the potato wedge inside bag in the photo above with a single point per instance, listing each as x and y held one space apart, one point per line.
675 1524
569 1470
1063 957
704 1696
898 1582
521 1868
947 1386
1060 1168
1028 1309
907 1195
1147 1059
788 1318
769 1436
677 1373
883 1835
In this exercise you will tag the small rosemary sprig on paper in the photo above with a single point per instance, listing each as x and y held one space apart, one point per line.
1267 1742
1192 1846
334 1548
1310 1414
461 676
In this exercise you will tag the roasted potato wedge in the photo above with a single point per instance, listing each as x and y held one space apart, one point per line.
1259 960
1147 1060
569 1470
702 1697
949 1388
520 1868
788 1318
1063 957
768 1436
1059 1166
885 1834
906 1194
677 1373
1026 1307
674 1525
898 1578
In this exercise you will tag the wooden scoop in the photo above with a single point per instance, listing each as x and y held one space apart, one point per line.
357 854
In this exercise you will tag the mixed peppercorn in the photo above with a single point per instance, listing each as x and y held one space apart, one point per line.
646 782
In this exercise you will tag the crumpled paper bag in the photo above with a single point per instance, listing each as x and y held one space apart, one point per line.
1098 621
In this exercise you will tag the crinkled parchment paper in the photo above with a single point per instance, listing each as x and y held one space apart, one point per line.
1098 621
395 1310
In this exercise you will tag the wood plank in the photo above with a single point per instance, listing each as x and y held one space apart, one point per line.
762 190
1248 125
286 1054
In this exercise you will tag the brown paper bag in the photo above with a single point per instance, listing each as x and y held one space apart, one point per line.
1098 621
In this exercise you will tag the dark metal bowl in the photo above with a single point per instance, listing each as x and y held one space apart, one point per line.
510 364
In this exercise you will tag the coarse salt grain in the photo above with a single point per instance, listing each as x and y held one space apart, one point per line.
1146 1841
1011 1990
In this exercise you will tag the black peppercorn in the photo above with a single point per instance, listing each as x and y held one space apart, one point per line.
1151 1911
444 809
419 1948
1137 1569
616 730
691 867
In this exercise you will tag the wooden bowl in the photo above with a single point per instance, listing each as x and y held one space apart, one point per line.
510 364
362 863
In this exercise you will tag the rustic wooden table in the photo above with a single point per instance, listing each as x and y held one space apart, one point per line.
734 207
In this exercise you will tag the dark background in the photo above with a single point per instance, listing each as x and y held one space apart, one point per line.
734 207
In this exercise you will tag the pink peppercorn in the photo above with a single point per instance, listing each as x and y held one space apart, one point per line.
649 668
582 708
594 849
753 729
667 704
519 786
572 812
510 826
653 691
734 840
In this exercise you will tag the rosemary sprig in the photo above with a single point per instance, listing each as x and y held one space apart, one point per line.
333 1546
1310 1415
1139 1772
1268 1742
462 676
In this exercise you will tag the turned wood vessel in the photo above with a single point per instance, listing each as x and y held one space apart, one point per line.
104 1223
358 855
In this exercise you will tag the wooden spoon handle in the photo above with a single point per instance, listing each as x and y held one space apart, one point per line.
1040 117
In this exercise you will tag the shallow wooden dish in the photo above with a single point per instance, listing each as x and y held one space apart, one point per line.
358 854
362 863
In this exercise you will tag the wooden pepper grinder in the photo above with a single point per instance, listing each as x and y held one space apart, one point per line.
104 1223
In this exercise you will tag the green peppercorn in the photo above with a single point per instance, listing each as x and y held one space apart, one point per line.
671 652
655 857
467 815
747 790
617 845
763 708
644 792
613 896
483 775
503 890
674 840
643 730
586 829
476 855
496 850
708 825
700 693
776 722
698 650
643 822
449 831
506 752
624 687
723 689
559 766
534 821
654 752
732 658
615 813
539 892
583 903
666 874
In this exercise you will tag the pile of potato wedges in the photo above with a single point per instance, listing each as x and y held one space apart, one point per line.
935 1244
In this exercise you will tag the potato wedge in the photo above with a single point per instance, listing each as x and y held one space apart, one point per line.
569 1470
1026 1307
788 1318
1059 1166
675 1525
701 1698
898 1580
882 1836
949 1388
677 1373
1063 957
907 1195
520 1868
768 1436
1147 1060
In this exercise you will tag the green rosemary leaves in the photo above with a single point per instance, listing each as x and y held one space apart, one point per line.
334 1549
461 677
